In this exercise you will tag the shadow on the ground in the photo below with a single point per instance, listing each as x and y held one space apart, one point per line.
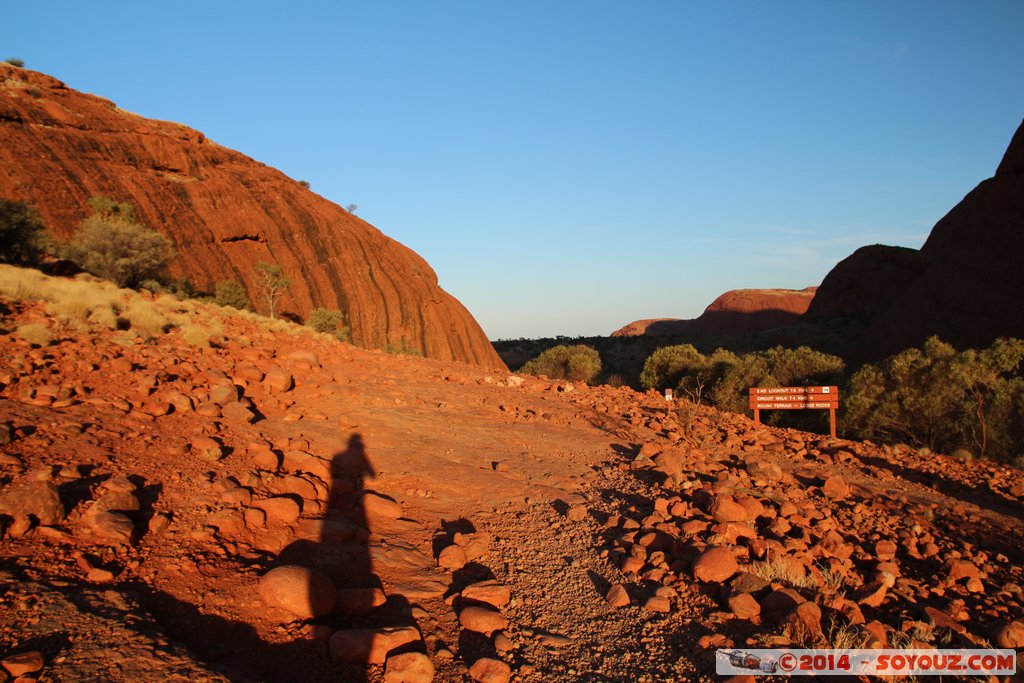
300 651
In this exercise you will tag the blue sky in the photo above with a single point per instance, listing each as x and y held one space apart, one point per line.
570 166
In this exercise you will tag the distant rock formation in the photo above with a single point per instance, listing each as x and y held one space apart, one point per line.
965 285
655 327
224 213
743 311
739 311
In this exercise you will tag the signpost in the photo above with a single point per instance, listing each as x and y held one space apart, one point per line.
795 398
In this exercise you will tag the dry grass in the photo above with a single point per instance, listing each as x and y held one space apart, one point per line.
36 334
202 331
145 317
85 301
195 335
781 570
847 637
104 317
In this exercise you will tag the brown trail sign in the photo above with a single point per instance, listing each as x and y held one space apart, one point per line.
795 398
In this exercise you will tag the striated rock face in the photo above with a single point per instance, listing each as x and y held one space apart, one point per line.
964 285
739 311
224 212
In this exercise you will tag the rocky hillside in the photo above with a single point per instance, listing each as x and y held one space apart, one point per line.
738 311
224 212
963 285
268 502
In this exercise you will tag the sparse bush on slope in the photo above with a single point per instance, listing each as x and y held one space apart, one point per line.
111 245
231 293
579 363
328 320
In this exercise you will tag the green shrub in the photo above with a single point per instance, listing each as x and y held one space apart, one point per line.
108 208
231 293
943 399
579 363
22 237
111 245
726 379
666 366
304 184
14 61
325 319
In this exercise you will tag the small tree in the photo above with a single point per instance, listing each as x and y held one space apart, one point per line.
271 285
14 61
231 293
351 208
22 237
111 245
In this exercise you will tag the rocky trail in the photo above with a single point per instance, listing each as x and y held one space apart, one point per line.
285 507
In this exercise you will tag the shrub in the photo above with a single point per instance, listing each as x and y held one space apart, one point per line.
22 237
579 363
943 399
324 320
231 293
109 244
304 184
14 61
271 285
108 208
666 366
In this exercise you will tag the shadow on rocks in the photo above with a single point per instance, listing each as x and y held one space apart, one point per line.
345 599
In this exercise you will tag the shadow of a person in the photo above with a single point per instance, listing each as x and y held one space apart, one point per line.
336 545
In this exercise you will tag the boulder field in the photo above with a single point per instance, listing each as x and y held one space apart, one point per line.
280 503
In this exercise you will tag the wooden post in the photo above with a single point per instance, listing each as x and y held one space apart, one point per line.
832 422
757 416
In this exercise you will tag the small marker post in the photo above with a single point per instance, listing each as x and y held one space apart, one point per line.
668 401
